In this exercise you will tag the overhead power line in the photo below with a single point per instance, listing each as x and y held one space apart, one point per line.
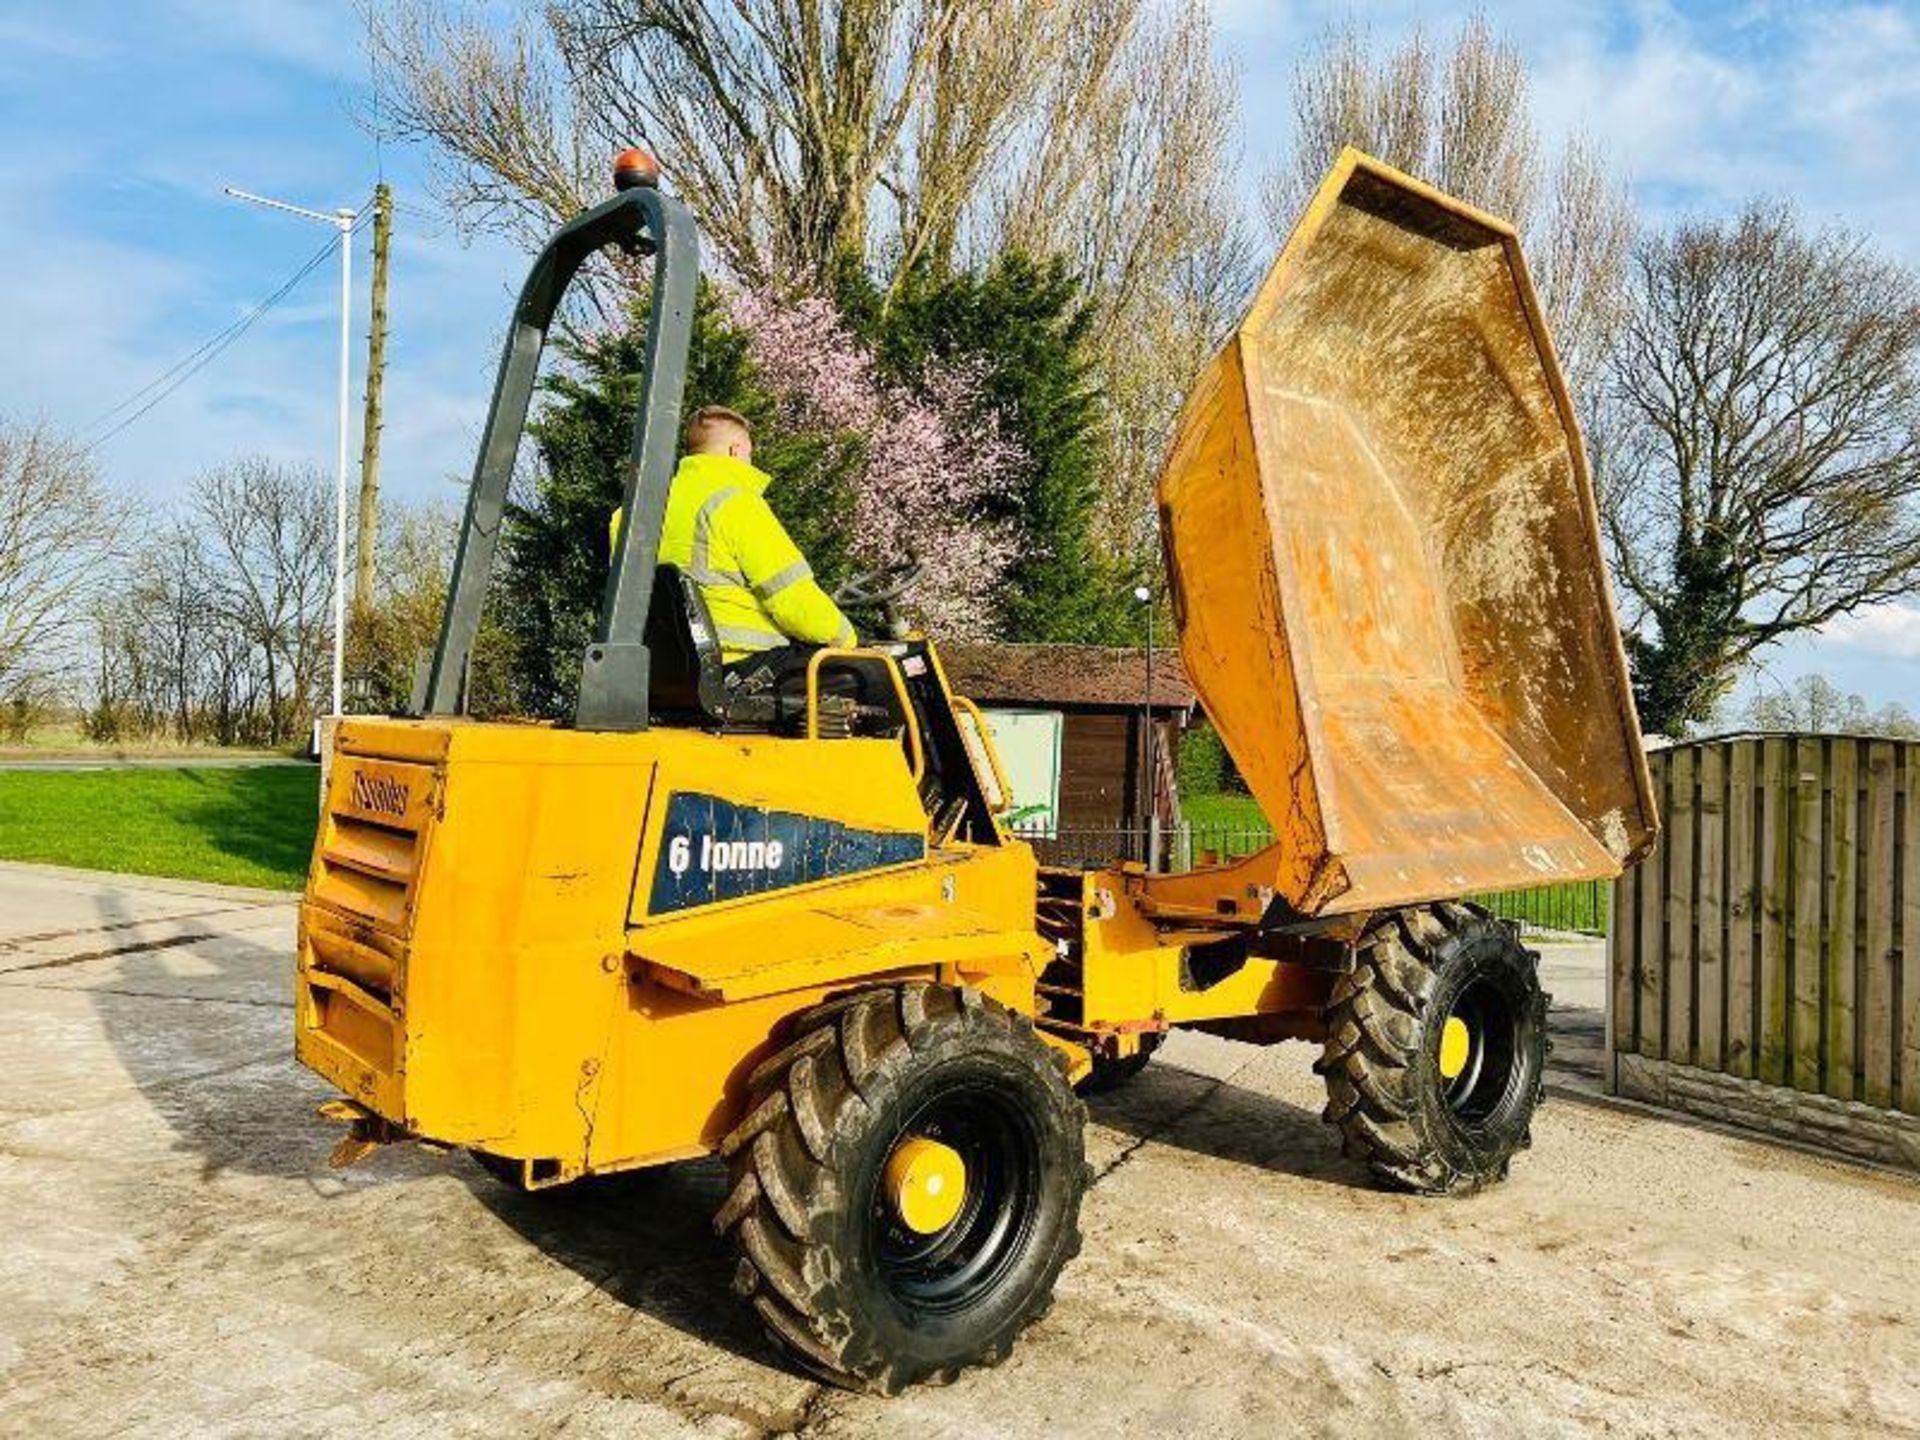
207 350
164 384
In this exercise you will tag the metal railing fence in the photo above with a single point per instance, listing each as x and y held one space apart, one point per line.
1579 907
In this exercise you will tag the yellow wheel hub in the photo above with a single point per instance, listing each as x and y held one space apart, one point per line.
926 1183
1456 1047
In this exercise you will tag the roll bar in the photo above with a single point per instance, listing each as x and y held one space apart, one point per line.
614 671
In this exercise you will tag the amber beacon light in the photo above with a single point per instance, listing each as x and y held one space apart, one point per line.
635 167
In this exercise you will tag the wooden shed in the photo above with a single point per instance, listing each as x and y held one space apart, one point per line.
1107 792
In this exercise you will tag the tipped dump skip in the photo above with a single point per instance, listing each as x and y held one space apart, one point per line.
1387 572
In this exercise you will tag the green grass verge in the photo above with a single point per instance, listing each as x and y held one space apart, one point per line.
63 740
1228 824
1225 810
1581 906
235 827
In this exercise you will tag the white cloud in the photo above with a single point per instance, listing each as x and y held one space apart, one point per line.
1889 631
27 41
318 35
1858 75
1663 107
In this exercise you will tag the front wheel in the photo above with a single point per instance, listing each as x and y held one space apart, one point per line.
906 1185
1436 1049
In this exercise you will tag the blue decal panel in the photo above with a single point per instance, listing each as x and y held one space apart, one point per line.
713 850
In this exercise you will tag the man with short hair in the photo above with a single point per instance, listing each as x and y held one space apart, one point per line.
769 612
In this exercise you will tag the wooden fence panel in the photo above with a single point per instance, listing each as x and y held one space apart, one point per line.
1743 902
1709 941
1907 1049
1841 942
1774 932
1809 886
1680 906
1880 962
1623 936
1649 1031
1776 835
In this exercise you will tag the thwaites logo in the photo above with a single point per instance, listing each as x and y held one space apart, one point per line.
714 850
380 794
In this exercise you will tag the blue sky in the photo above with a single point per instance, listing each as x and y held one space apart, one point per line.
121 122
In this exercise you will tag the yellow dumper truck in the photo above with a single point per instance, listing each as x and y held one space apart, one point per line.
689 924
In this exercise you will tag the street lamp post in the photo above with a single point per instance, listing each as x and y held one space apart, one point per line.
1149 779
342 220
1153 443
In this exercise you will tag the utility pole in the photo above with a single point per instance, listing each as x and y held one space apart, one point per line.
376 373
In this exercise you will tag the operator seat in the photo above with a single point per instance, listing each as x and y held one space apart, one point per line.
686 684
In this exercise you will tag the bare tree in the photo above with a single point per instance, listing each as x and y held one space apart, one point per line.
172 653
1761 474
1578 251
1894 719
801 134
386 642
497 109
55 533
1814 704
1465 124
269 535
117 670
174 595
1128 172
214 624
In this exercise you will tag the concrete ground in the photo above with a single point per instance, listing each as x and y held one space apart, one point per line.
178 1259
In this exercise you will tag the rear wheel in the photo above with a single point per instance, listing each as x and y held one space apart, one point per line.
1435 1057
906 1185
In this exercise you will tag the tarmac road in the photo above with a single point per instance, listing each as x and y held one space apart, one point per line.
177 1258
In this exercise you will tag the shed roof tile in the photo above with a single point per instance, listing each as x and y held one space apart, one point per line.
1110 677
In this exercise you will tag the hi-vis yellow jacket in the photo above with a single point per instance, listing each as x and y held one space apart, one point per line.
720 531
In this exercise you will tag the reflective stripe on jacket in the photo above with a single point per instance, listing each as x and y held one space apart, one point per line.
760 590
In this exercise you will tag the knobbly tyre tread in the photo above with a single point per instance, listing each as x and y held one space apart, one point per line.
1375 1023
783 1184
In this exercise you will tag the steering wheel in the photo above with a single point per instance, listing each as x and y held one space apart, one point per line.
879 587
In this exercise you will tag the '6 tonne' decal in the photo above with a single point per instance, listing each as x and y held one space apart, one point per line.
716 850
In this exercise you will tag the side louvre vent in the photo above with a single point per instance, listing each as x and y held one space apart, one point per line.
358 920
375 830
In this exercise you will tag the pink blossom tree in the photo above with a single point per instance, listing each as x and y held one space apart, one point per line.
936 457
